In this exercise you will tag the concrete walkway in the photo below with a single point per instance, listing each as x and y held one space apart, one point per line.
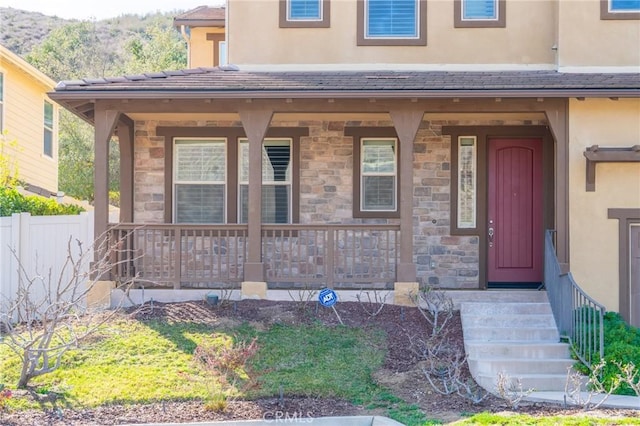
612 401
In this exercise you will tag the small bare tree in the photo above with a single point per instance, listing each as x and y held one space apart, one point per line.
435 306
597 392
443 364
511 389
48 315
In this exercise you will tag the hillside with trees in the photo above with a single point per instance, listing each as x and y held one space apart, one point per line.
73 49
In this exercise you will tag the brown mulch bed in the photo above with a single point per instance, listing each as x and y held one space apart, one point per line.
401 372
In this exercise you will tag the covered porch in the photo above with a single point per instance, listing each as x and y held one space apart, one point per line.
341 247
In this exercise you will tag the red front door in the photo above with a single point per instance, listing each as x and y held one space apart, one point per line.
515 231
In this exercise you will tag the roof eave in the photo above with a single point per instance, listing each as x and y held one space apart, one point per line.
344 94
218 23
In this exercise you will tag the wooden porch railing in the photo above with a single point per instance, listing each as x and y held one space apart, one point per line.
330 254
190 256
213 256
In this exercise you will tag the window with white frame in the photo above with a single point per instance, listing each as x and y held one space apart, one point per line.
304 13
47 145
479 13
200 175
378 175
467 182
222 53
276 180
619 9
392 22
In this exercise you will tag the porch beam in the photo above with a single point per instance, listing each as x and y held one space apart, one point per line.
105 123
125 135
445 105
557 113
406 122
255 123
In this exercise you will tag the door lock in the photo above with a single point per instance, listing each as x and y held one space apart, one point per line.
491 232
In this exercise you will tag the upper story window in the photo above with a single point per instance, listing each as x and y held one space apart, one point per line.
222 53
392 22
199 181
47 147
1 101
304 13
479 13
619 9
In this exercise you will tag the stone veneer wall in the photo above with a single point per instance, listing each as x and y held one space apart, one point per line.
326 163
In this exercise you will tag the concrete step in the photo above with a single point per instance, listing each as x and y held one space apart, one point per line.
513 349
517 367
460 297
489 333
538 382
509 320
492 308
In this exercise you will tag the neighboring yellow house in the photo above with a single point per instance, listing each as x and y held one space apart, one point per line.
29 117
402 141
204 31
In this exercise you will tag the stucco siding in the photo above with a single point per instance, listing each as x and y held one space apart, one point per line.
24 122
594 237
587 41
255 38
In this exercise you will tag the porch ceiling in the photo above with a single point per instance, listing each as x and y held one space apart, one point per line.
227 89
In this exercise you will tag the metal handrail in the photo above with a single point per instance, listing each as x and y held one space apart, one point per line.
579 318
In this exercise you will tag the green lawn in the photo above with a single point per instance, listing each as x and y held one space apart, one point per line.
136 362
131 361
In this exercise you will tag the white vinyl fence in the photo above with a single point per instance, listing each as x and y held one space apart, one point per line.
40 246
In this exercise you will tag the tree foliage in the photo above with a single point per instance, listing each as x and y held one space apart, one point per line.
73 51
158 48
78 50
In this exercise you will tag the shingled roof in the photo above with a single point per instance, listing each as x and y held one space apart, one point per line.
231 82
202 16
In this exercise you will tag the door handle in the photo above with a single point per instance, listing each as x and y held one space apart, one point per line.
491 232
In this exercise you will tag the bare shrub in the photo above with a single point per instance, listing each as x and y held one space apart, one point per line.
596 393
630 375
373 305
511 389
49 315
443 365
226 369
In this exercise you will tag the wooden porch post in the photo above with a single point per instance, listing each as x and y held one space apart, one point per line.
406 123
255 122
105 123
557 115
125 132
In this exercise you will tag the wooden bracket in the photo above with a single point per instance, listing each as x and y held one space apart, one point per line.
595 154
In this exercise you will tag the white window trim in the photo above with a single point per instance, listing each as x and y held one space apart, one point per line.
180 182
363 174
391 37
289 182
52 128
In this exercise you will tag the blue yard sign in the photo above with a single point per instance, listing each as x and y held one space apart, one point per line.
327 297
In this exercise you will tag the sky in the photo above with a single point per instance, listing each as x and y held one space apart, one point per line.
102 9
